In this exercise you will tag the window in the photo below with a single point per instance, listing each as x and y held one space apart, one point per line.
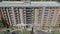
4 11
9 8
46 12
44 21
40 12
16 11
52 12
16 8
3 8
45 15
10 12
58 19
46 8
59 15
5 15
40 9
40 15
17 16
57 7
57 24
52 8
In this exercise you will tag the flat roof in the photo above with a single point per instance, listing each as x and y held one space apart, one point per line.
32 4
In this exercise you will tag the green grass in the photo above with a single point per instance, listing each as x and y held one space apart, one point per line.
44 27
55 32
1 32
25 31
4 32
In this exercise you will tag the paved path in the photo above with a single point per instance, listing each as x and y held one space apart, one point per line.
16 32
41 32
37 32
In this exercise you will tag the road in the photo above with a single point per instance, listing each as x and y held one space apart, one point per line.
41 32
37 32
16 32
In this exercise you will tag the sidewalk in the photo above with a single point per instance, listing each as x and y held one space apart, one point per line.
45 31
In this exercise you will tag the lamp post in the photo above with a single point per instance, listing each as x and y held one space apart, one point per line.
34 25
32 29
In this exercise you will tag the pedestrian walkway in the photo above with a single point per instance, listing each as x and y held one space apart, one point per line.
41 32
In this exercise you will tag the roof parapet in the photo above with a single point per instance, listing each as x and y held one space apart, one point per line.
27 2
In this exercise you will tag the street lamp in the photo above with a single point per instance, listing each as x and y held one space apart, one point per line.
32 32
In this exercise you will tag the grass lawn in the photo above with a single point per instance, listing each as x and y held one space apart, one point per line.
1 32
56 30
25 31
53 28
4 28
44 28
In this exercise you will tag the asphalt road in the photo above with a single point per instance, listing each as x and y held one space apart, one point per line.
16 32
37 32
41 32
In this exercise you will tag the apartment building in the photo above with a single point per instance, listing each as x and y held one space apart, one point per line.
30 0
40 13
0 16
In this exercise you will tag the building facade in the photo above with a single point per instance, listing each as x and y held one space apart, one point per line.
40 13
0 16
30 0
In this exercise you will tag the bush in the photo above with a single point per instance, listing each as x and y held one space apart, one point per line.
1 24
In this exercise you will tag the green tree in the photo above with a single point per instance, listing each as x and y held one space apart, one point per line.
1 24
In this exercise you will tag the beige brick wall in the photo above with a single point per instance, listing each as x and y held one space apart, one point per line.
8 15
21 15
13 15
43 11
53 22
36 16
0 14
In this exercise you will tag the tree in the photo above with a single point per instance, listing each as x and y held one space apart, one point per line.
5 23
59 25
1 24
